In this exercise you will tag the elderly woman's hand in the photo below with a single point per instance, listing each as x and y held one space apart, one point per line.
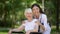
10 31
28 32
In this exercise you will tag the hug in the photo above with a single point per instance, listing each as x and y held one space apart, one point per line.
36 21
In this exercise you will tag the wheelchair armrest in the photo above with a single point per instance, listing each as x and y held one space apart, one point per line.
17 32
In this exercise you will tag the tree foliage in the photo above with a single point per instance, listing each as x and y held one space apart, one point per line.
12 11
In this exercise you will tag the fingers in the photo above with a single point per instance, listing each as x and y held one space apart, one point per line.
28 32
10 31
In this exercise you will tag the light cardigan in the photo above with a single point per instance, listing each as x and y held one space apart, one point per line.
43 19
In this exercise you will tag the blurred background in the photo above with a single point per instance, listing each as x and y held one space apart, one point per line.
12 13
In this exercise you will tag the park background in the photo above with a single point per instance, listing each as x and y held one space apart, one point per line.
12 13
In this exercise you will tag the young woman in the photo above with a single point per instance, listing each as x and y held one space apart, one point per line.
30 25
38 14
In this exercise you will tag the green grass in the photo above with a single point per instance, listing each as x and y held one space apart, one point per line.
3 33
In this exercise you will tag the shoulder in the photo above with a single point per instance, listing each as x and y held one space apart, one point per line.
23 22
44 15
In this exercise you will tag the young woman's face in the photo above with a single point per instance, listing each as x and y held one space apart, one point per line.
28 15
35 10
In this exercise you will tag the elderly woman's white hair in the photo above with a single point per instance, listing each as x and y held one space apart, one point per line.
29 10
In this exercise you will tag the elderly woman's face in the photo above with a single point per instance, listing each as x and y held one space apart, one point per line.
35 10
28 15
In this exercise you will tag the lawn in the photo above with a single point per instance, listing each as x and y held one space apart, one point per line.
3 33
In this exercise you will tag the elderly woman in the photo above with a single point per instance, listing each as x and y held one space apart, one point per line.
38 14
30 25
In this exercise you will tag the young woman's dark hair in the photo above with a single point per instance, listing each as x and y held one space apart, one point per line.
38 7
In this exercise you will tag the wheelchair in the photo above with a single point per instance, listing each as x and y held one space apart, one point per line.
13 32
24 33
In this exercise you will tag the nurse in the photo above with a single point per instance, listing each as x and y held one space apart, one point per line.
30 25
38 14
